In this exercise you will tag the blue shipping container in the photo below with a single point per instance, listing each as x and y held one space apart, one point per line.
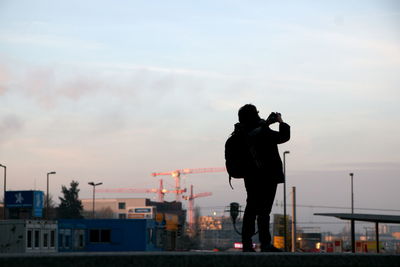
107 235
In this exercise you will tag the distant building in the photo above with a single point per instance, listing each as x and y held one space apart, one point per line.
217 232
169 214
111 208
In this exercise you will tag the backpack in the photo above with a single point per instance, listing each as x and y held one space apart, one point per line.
238 158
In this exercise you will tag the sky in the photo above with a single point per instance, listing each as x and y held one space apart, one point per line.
112 91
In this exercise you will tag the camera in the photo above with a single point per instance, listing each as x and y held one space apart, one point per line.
273 117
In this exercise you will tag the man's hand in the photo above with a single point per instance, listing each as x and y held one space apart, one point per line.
279 117
274 117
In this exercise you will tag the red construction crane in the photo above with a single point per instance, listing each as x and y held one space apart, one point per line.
177 176
191 198
161 191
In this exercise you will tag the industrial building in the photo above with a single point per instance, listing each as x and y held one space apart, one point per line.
170 215
117 208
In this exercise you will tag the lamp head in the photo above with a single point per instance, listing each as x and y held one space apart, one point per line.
94 184
53 172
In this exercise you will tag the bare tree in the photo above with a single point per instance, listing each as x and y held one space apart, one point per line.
105 213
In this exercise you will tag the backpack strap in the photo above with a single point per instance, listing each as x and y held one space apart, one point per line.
230 180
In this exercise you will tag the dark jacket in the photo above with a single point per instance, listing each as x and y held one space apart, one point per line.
263 147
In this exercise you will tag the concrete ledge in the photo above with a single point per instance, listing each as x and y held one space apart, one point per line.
200 259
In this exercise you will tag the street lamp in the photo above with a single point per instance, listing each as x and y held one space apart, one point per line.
47 194
284 200
353 238
4 199
94 190
352 193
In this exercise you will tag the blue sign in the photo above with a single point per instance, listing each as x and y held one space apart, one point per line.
143 210
38 203
19 199
32 200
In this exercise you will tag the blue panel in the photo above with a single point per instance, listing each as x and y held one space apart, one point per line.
19 199
38 203
126 235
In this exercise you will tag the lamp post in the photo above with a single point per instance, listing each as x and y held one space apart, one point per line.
47 194
4 199
352 193
94 191
284 201
353 238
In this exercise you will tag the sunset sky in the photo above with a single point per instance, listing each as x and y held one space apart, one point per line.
112 91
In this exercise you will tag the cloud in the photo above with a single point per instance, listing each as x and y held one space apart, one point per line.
49 41
388 165
4 78
10 125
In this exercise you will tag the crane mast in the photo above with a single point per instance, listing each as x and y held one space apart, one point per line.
191 199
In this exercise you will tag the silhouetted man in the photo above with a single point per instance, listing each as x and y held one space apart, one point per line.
263 174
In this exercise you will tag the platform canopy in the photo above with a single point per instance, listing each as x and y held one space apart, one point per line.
375 218
363 217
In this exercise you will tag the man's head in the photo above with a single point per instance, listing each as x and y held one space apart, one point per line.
248 114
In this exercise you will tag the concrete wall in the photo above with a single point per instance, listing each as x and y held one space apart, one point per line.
182 259
14 236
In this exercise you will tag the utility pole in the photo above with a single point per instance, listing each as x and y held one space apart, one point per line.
47 195
4 199
94 196
293 219
353 234
284 202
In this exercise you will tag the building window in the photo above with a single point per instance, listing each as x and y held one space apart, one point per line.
149 236
64 238
100 236
67 241
37 239
122 216
81 240
46 240
94 236
121 205
52 238
29 239
105 236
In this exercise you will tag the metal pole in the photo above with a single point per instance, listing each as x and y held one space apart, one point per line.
47 195
94 189
377 236
352 193
4 199
353 237
293 219
47 198
284 202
